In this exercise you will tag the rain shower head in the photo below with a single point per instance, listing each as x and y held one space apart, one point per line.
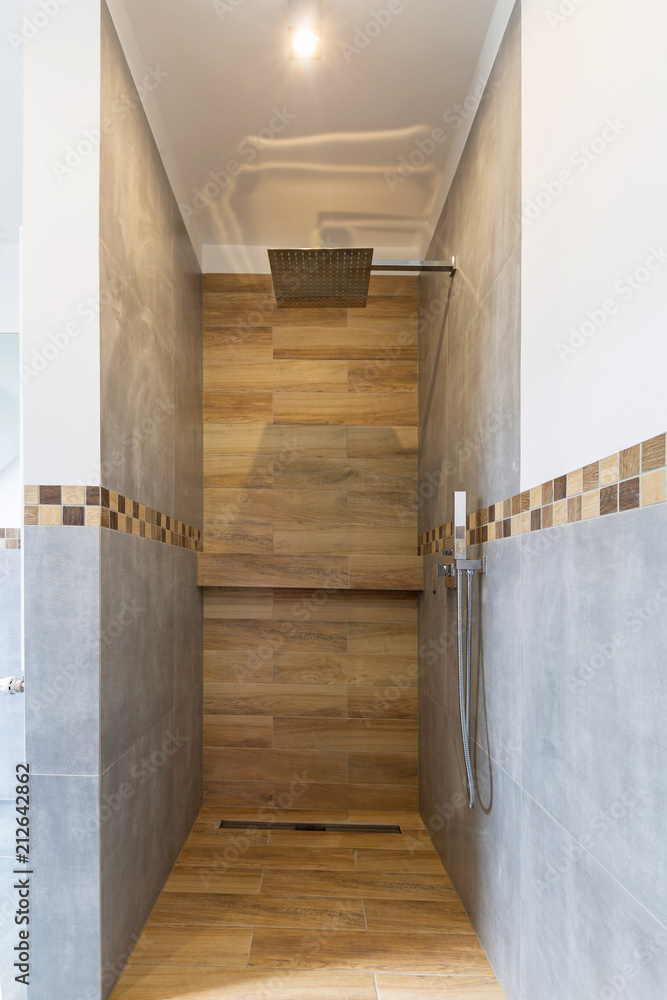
321 278
334 278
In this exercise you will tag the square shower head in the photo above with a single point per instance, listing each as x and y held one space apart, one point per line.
320 279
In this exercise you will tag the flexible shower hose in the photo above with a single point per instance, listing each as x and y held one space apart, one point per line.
464 675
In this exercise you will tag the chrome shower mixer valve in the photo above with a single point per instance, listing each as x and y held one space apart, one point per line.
453 569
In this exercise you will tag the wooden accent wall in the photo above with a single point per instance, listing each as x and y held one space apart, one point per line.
310 481
315 686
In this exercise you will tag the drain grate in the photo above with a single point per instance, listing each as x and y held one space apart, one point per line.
238 824
319 279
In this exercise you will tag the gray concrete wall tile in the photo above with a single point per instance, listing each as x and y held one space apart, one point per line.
62 621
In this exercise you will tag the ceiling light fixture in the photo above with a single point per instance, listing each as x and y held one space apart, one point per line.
305 29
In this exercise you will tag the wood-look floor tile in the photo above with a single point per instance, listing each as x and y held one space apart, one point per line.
372 841
414 915
181 945
228 910
358 884
211 855
192 878
459 954
417 862
406 820
164 982
393 701
218 813
383 768
210 833
438 988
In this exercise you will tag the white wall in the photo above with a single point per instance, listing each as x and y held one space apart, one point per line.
60 255
584 395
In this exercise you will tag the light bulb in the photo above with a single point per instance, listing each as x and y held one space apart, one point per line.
305 43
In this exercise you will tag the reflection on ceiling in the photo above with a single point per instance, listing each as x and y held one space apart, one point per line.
348 150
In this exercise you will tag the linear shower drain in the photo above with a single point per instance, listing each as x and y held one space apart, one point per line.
237 824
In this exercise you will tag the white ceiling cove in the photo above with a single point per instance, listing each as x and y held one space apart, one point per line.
351 150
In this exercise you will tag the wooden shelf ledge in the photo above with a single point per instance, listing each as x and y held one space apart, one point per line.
311 572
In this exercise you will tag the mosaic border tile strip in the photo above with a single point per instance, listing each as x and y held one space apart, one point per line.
97 506
626 480
10 538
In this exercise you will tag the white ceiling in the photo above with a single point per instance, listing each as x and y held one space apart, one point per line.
322 179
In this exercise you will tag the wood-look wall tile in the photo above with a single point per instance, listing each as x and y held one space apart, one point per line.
238 666
238 536
323 538
629 462
276 376
238 602
382 637
383 376
390 307
237 407
383 768
382 442
653 453
258 794
319 704
222 570
348 606
320 795
368 669
237 471
278 635
398 408
388 572
356 474
238 731
628 494
230 283
393 701
383 508
229 343
240 309
274 765
300 506
373 735
653 488
345 343
282 442
393 284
